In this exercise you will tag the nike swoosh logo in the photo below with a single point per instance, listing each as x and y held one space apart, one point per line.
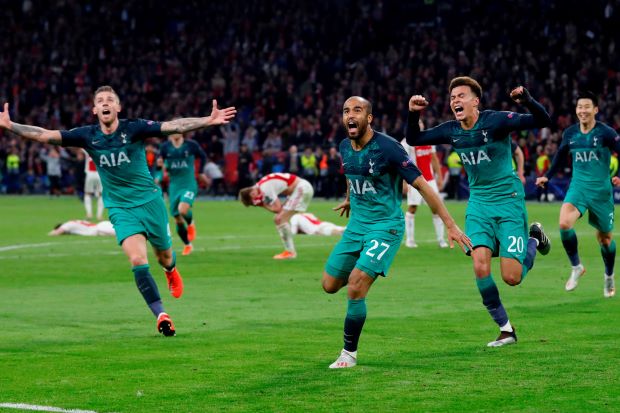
456 140
96 142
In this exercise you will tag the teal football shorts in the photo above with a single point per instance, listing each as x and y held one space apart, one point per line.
600 205
500 227
150 219
371 252
185 194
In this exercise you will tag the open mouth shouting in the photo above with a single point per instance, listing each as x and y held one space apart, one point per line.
352 127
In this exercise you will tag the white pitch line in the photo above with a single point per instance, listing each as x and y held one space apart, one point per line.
21 246
37 408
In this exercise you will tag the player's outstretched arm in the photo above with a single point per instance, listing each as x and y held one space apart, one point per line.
183 125
540 116
415 135
34 133
434 202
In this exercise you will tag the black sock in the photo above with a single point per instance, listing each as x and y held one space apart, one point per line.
148 288
182 231
353 323
609 257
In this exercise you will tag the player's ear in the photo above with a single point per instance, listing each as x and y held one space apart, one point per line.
95 110
370 118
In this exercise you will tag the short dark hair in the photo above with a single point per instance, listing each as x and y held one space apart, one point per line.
466 81
106 88
364 100
586 94
245 197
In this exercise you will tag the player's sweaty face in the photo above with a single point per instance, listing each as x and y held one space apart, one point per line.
355 118
586 110
107 106
463 102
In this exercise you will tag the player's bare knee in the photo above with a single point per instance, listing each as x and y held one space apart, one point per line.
330 284
512 279
481 268
565 225
137 260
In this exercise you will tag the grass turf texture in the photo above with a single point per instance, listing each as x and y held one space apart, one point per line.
257 335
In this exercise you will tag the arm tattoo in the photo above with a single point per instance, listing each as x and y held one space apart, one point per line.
27 131
185 125
35 133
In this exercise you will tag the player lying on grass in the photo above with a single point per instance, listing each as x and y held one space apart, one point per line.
85 228
310 224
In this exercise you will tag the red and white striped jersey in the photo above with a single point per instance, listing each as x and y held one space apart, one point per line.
89 165
422 156
273 185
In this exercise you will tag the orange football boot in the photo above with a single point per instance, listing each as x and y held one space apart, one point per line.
187 249
175 282
191 232
165 325
285 255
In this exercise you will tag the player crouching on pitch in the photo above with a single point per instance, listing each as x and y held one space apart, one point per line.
265 193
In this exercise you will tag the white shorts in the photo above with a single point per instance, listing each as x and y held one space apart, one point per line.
92 184
414 197
300 199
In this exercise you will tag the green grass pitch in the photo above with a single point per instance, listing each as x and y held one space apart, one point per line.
256 335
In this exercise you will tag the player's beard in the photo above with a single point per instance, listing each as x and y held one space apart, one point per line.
361 131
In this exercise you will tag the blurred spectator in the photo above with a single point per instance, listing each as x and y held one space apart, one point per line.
13 163
543 163
284 72
216 176
292 162
245 164
455 166
334 174
309 168
54 170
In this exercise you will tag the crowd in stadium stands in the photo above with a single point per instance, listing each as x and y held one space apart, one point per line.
288 65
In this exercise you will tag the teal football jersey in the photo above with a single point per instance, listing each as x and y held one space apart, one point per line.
375 175
120 159
590 153
485 150
180 162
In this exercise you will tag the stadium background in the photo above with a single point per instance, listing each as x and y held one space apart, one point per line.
254 336
288 66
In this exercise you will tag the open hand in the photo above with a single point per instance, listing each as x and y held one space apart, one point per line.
222 116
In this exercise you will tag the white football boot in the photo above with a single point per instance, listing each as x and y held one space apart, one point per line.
504 338
610 286
345 360
575 274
